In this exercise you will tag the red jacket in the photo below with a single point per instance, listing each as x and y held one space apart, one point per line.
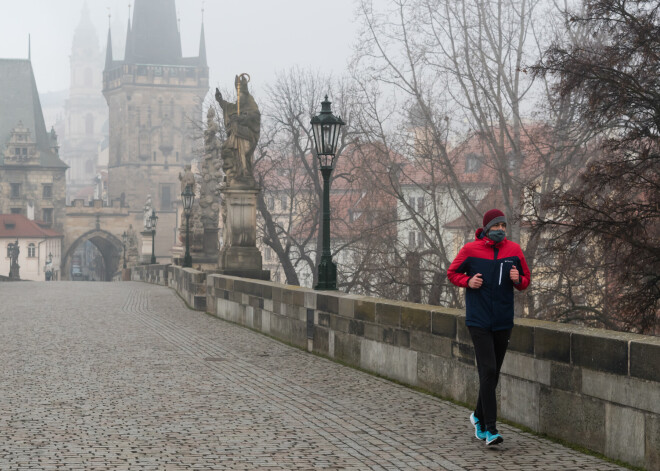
490 306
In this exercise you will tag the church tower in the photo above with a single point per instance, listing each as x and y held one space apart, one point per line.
86 111
155 99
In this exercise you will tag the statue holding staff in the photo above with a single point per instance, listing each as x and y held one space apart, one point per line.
242 123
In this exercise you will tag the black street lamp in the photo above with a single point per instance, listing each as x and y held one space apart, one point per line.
326 127
151 224
124 238
188 197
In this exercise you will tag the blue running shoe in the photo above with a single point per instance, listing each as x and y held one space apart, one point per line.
493 438
477 427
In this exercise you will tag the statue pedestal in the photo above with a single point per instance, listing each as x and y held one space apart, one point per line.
210 242
239 256
145 255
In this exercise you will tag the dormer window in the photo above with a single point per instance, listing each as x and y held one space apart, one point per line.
472 163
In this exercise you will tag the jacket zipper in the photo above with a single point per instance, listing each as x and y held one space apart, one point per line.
492 298
501 274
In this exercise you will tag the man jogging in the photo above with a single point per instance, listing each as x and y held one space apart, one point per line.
489 267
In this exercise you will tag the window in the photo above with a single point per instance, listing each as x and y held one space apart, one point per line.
511 161
271 203
16 210
89 124
472 163
47 191
165 198
88 77
420 204
411 239
48 215
268 253
32 250
283 202
420 240
154 156
15 190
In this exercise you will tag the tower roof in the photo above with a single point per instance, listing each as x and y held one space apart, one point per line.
154 36
202 48
108 51
19 102
85 31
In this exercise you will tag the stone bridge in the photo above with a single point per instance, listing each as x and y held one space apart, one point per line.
590 387
123 376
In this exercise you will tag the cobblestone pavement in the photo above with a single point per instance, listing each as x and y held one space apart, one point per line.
122 376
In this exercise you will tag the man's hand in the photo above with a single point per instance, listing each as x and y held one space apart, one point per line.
476 281
515 275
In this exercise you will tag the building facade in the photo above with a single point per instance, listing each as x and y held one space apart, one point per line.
155 98
32 176
40 247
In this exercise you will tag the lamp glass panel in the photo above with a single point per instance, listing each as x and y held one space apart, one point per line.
318 137
327 138
335 137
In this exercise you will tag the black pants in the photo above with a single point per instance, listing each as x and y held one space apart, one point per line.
489 348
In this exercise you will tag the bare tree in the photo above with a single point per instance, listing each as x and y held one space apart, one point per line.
613 206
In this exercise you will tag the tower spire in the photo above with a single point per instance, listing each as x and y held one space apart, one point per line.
108 48
202 46
129 37
29 48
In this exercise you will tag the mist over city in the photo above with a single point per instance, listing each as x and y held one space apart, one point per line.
225 226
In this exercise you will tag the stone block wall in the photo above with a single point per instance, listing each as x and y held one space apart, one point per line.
595 388
190 284
154 274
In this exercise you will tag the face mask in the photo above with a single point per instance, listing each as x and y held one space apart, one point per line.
496 236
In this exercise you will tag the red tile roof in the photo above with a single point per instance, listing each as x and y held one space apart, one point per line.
14 226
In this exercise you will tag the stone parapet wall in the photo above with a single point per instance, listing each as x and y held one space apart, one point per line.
591 387
155 274
190 284
595 388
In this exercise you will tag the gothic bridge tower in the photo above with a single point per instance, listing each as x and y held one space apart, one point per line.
154 96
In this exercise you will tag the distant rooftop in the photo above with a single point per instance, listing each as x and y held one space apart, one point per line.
16 226
19 102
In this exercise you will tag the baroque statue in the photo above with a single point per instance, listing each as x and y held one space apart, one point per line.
146 211
212 175
187 178
242 124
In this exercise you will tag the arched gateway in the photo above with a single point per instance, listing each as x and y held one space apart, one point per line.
109 245
100 225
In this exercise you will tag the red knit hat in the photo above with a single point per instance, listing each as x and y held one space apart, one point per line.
492 217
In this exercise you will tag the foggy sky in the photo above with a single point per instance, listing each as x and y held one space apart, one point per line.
260 37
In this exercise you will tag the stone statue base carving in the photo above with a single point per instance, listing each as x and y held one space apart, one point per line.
210 242
239 255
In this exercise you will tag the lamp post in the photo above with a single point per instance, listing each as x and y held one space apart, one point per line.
124 238
188 197
326 127
151 224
